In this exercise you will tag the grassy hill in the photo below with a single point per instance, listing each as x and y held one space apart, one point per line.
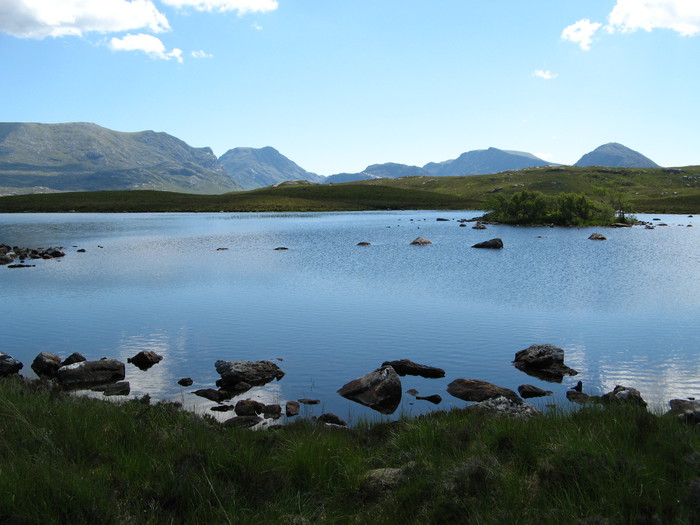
650 190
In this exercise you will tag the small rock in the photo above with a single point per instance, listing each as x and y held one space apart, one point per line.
281 248
597 237
623 394
249 407
145 359
502 406
291 409
545 362
528 391
307 401
46 364
405 367
379 390
479 226
435 399
254 373
120 388
363 244
75 357
331 419
412 391
213 395
494 244
273 411
222 408
421 241
243 421
185 381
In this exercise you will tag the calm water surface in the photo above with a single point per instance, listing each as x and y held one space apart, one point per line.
626 310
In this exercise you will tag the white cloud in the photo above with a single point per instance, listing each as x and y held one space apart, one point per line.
148 44
54 18
201 54
581 33
547 75
240 6
682 16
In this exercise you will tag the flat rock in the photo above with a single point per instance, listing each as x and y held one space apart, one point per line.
87 373
213 395
477 390
255 373
243 421
307 401
545 362
9 365
504 407
435 399
331 419
528 391
379 390
494 244
120 388
405 367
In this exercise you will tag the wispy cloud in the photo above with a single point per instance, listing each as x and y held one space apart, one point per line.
682 16
239 6
148 44
546 75
201 54
52 18
581 33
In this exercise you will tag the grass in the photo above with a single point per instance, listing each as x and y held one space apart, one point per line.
67 459
645 190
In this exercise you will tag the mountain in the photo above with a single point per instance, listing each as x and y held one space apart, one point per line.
483 162
85 157
388 170
614 155
255 168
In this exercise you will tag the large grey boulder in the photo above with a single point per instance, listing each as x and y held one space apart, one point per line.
253 373
9 365
86 373
477 390
406 367
46 364
545 362
379 390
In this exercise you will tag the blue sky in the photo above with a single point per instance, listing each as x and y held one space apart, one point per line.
336 85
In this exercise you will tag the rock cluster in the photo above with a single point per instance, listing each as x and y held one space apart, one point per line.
9 253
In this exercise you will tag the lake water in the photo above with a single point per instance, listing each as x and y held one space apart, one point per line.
625 310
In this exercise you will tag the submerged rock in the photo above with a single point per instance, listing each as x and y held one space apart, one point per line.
379 390
477 390
435 399
494 244
545 362
406 367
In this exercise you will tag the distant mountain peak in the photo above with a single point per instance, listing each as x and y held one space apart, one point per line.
615 155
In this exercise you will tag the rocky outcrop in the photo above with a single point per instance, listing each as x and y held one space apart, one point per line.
406 367
545 362
86 373
9 365
528 391
477 390
494 244
145 359
379 390
250 373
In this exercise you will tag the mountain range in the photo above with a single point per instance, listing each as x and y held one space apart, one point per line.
86 157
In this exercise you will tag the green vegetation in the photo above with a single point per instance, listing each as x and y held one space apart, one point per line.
651 190
70 459
534 207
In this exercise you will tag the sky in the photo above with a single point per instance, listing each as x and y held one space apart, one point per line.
337 85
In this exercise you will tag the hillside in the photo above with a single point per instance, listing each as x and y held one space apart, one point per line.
258 167
484 161
85 157
614 155
644 191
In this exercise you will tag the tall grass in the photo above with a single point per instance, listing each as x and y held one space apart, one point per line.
69 459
